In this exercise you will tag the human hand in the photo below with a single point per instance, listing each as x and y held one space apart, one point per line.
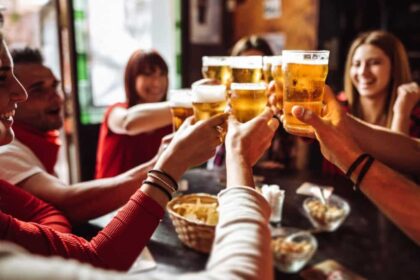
408 95
192 145
249 140
331 130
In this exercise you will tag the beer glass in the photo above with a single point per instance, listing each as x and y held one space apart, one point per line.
246 69
180 101
247 100
208 101
277 72
304 81
217 68
267 65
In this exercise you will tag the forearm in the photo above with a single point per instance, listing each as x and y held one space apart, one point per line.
147 117
401 123
396 150
87 200
112 248
92 199
238 172
397 197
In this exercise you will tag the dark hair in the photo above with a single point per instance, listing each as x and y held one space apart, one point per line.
252 42
141 63
27 55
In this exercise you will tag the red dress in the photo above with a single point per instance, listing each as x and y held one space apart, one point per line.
41 229
118 153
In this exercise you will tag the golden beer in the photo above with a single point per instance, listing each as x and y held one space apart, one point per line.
247 69
268 62
304 82
277 74
248 100
208 101
179 114
180 102
218 68
247 75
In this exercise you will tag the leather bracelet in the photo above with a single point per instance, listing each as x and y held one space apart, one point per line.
363 172
166 175
159 187
356 163
164 182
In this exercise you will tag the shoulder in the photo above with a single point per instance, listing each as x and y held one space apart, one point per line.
19 162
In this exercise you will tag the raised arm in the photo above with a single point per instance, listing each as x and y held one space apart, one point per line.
139 118
394 195
408 95
120 242
397 150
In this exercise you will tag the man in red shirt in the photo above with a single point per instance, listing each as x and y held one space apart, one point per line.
32 156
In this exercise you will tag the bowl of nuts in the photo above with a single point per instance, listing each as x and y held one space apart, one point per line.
292 248
328 215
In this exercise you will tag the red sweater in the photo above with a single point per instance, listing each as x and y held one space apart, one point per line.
35 225
118 153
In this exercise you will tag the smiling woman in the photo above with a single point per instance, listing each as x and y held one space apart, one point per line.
11 94
131 132
376 76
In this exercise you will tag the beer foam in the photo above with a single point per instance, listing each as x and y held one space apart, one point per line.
181 101
246 62
273 60
216 60
180 98
306 57
248 86
209 93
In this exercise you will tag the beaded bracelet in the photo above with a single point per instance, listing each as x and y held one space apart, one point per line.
165 191
160 172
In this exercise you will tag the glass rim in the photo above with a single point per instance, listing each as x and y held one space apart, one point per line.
215 60
273 59
248 86
246 62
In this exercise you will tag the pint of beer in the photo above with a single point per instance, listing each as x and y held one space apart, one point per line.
208 101
248 100
277 74
217 68
304 81
180 101
246 69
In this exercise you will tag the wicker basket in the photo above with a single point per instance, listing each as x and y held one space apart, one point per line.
194 234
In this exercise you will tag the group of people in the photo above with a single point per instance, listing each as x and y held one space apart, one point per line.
37 210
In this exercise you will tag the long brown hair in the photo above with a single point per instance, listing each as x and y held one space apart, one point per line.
141 63
400 69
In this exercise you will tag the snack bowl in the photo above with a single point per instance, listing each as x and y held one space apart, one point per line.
194 217
328 216
292 248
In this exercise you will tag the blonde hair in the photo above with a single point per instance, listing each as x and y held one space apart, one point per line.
400 69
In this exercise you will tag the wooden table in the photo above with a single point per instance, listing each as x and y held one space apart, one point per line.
367 242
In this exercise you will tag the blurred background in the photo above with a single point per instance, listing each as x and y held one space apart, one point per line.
88 42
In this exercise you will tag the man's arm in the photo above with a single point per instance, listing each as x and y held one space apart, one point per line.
397 150
87 200
394 195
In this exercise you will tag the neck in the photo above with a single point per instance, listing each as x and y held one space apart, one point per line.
373 109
